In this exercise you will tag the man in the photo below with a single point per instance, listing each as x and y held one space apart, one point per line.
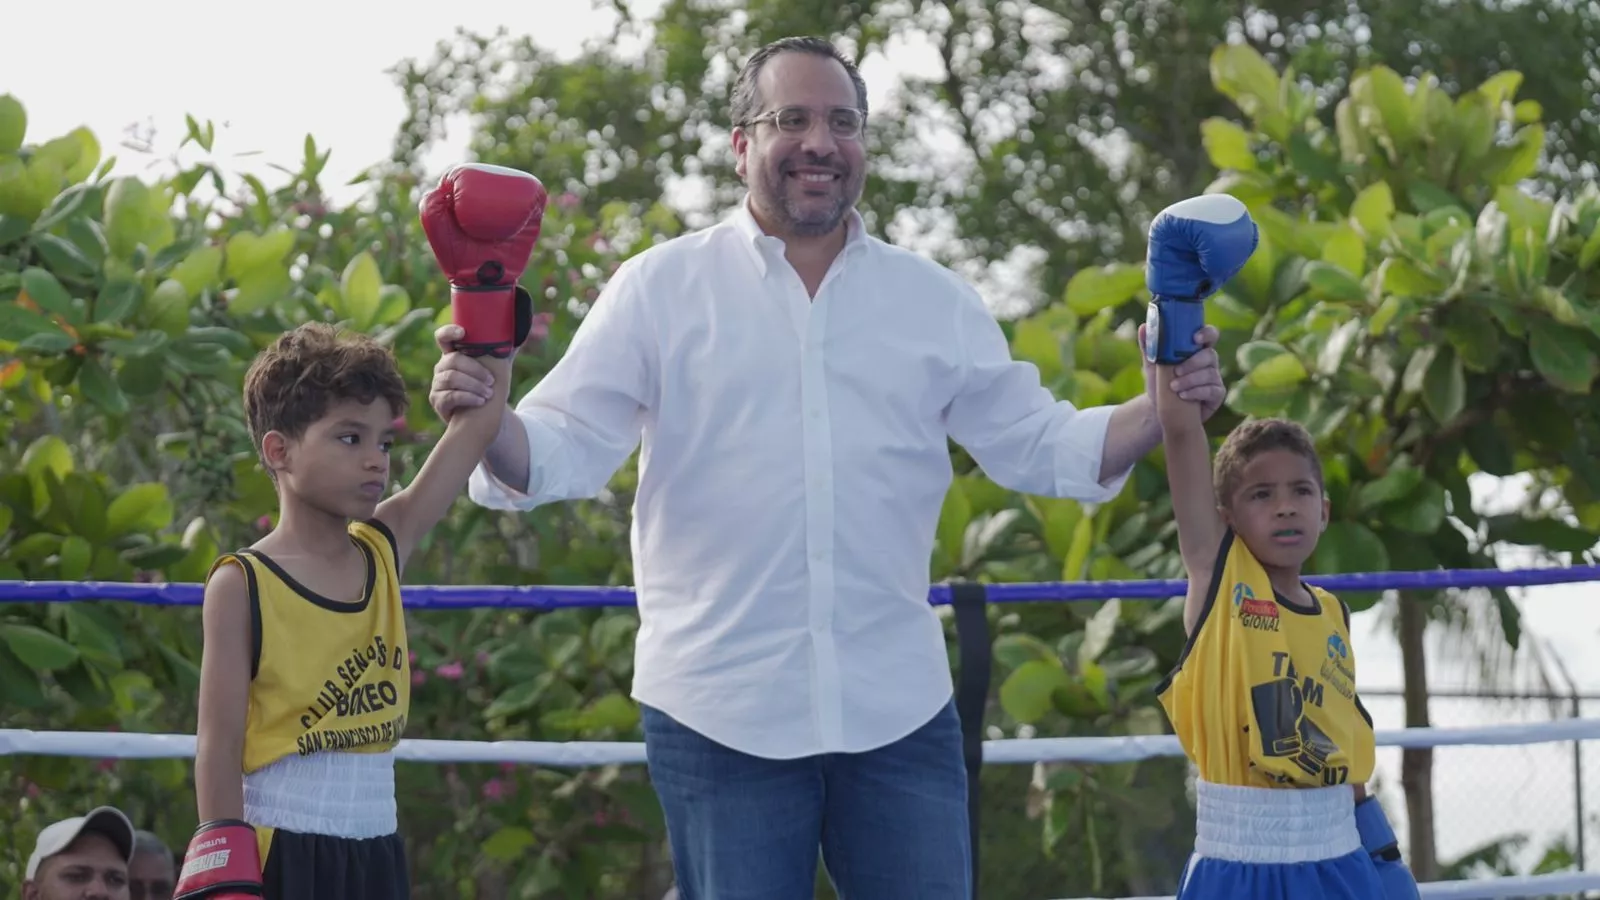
151 872
795 383
82 858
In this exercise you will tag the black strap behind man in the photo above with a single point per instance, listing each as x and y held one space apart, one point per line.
973 655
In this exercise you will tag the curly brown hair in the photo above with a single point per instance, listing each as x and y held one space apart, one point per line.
292 383
1254 438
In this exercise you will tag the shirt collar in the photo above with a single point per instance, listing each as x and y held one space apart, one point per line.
763 244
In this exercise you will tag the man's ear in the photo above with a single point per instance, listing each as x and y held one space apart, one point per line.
1327 513
1225 514
741 146
275 451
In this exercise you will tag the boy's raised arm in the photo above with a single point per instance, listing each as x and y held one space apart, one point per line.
412 513
1194 500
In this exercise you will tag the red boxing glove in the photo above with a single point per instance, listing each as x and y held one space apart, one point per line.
222 863
482 222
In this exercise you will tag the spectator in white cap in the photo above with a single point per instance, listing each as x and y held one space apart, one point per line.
82 858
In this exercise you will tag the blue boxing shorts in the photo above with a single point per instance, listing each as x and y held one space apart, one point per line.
1277 844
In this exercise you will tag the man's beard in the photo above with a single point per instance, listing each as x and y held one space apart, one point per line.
800 216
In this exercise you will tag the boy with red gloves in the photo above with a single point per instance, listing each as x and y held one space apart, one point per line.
305 676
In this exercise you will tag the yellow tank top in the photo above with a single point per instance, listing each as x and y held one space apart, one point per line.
1264 694
326 675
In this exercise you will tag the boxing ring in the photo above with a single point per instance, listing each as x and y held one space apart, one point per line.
968 601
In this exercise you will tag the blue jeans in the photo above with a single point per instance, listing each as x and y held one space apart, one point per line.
890 824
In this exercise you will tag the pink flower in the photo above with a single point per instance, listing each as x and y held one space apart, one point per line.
264 523
412 656
600 817
450 671
541 326
106 765
508 768
494 789
31 789
568 200
418 677
482 656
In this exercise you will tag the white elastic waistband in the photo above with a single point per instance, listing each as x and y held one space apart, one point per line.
1275 825
339 794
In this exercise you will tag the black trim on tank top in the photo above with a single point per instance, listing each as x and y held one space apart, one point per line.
379 526
1360 707
1205 610
316 599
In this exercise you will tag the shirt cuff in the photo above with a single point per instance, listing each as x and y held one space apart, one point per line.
1079 454
487 490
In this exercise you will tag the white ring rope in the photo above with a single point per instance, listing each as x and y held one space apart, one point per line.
1498 888
124 745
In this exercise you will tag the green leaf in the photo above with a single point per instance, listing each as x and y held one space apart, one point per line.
1373 210
142 343
62 256
1403 278
1278 373
47 454
19 685
1033 340
1094 289
1098 631
1562 355
361 286
46 291
1551 534
1345 249
1489 449
1444 386
142 376
519 697
98 386
258 289
47 342
38 649
248 253
1026 693
167 308
510 844
18 323
117 300
1015 650
1475 337
1590 251
13 123
1349 547
1227 144
1389 95
954 517
199 270
1396 483
141 508
1422 511
1333 282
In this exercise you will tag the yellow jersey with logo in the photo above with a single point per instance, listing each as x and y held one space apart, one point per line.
326 675
1264 694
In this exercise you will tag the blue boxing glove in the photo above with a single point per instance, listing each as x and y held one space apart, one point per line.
1196 246
1377 838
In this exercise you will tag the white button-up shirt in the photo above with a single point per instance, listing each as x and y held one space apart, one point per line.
794 463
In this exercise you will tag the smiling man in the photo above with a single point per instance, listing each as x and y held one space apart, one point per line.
795 382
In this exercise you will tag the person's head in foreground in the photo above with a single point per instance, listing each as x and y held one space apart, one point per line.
152 872
1269 491
799 110
322 406
82 858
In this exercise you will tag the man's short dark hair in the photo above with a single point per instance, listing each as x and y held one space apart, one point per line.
746 99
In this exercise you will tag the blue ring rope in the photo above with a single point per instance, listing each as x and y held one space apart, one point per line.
545 598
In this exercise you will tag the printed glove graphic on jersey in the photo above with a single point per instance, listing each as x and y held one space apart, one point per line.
482 222
1196 247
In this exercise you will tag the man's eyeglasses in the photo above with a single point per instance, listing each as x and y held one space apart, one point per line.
844 122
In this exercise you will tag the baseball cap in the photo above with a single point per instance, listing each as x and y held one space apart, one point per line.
55 838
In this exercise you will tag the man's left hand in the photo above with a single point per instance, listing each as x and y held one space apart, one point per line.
1198 378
